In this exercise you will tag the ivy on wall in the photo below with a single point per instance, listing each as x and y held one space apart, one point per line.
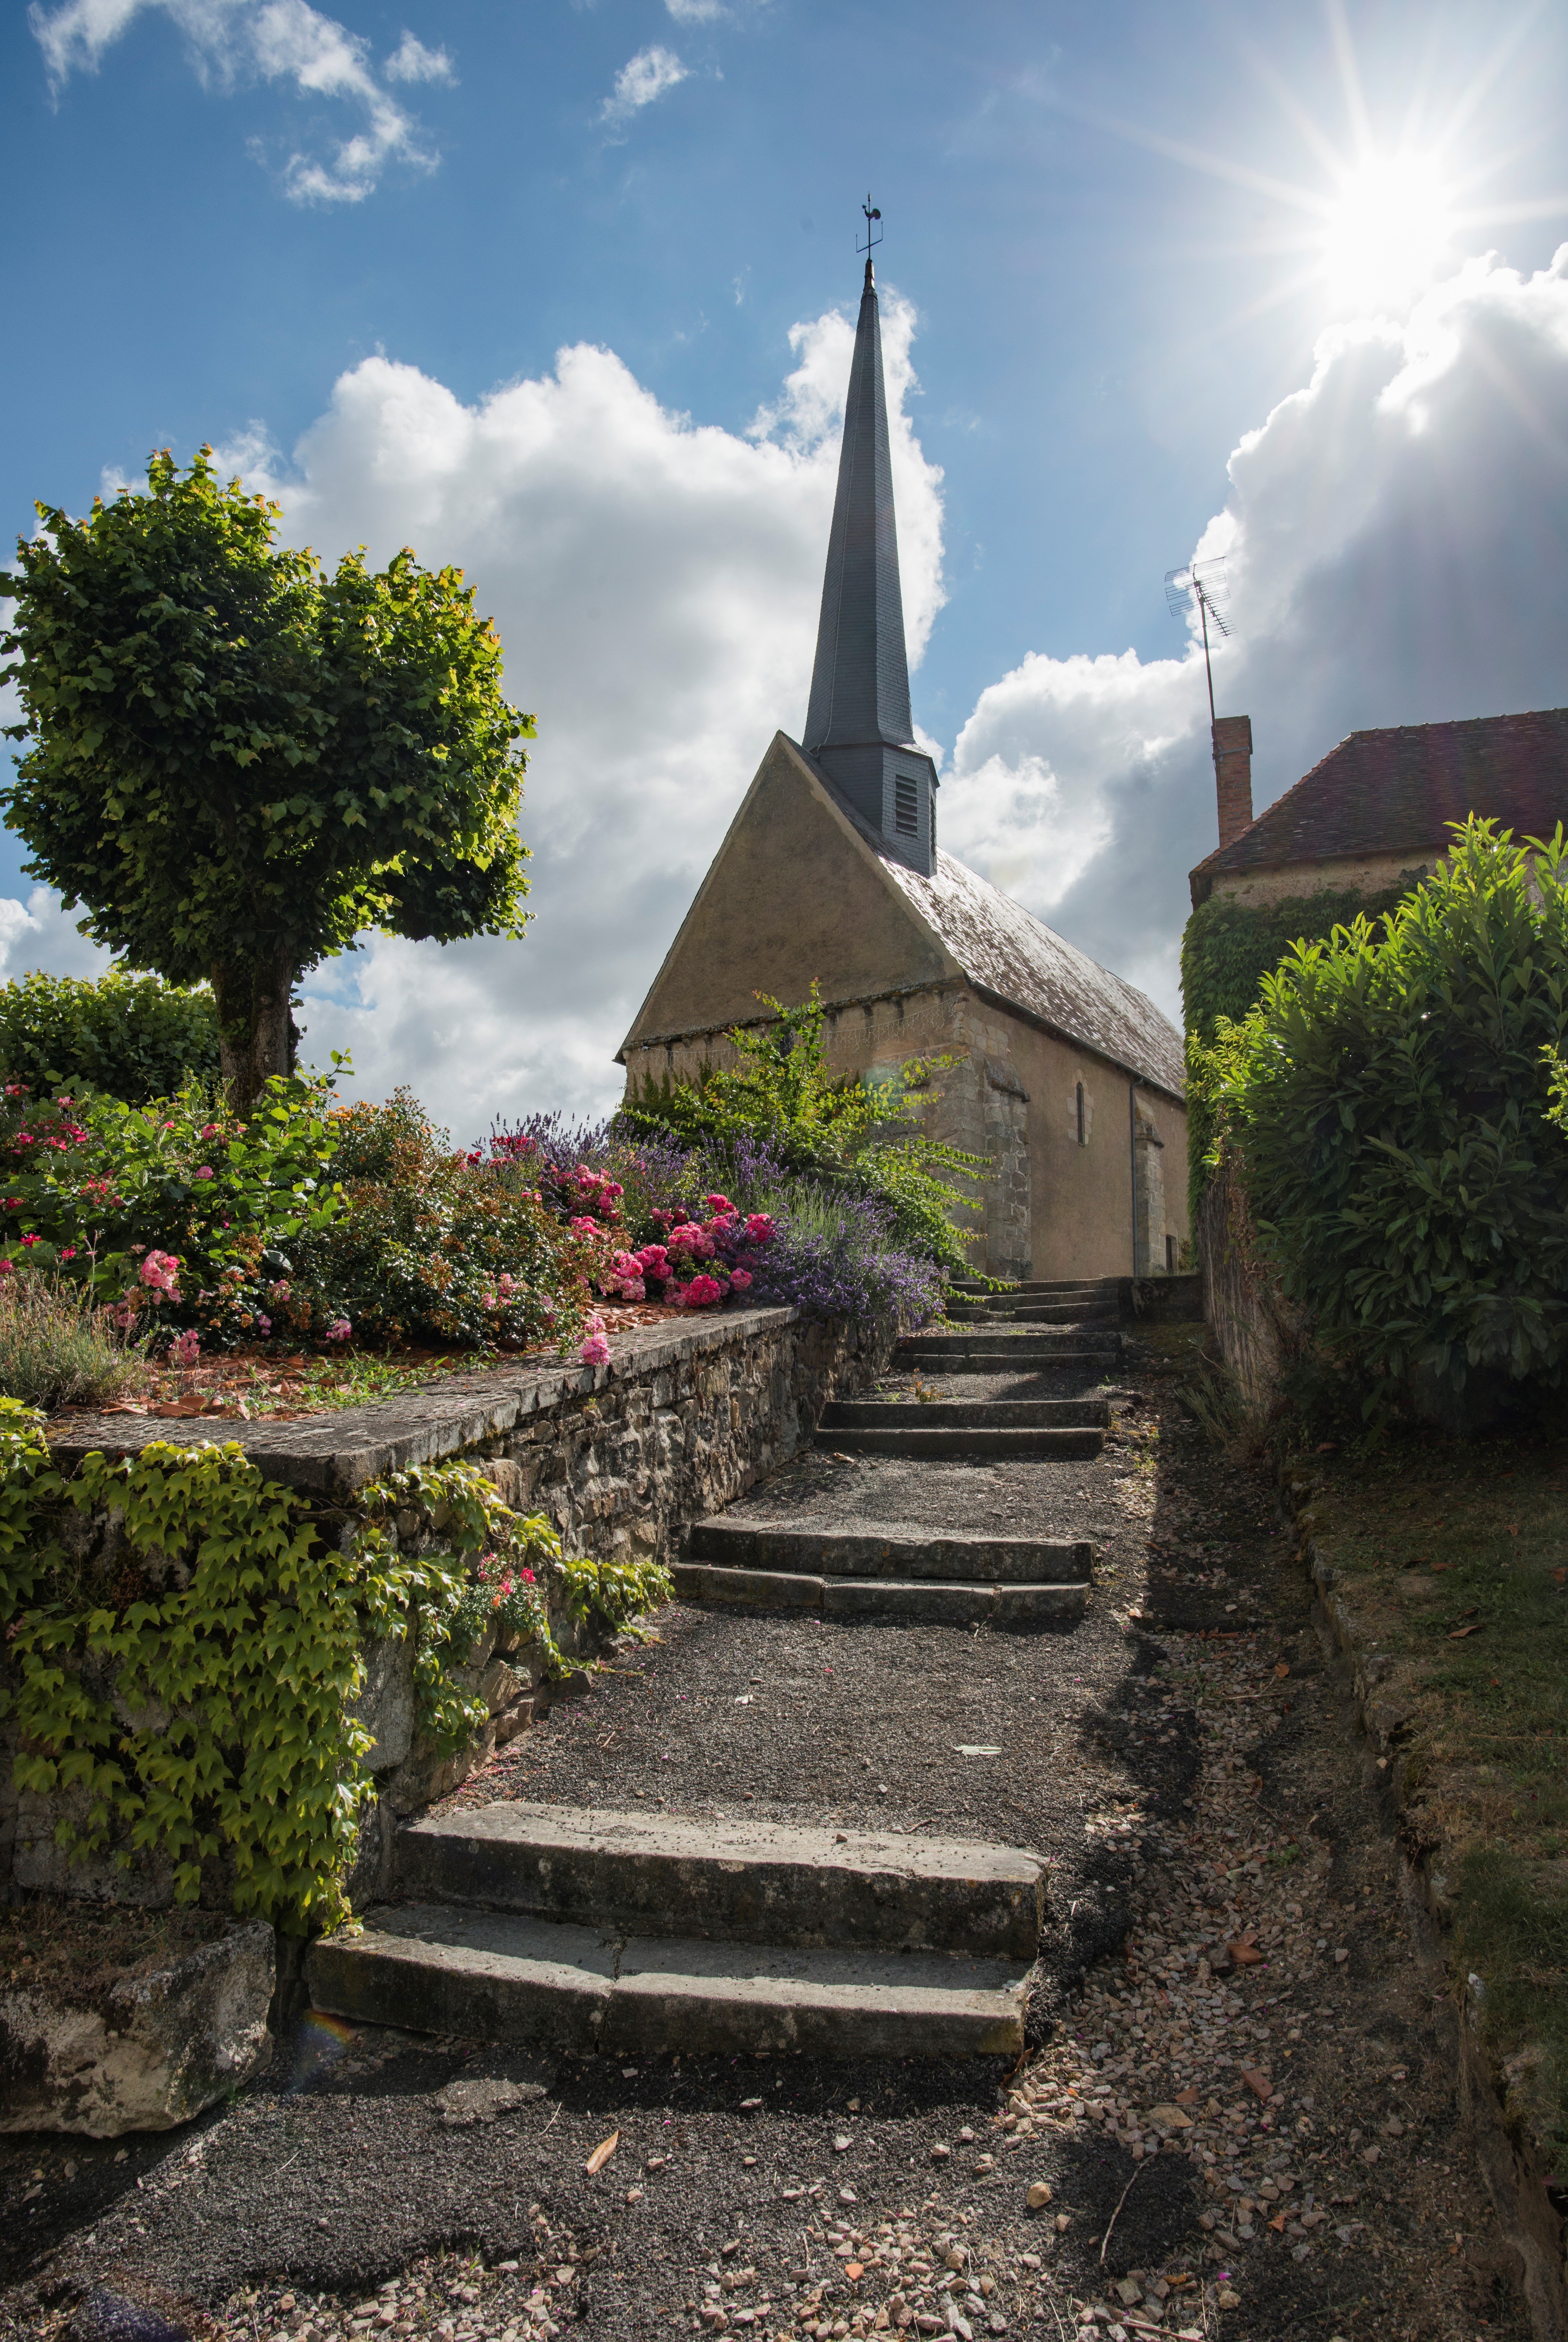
187 1670
1229 946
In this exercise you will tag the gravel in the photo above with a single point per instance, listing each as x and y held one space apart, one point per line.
1192 1798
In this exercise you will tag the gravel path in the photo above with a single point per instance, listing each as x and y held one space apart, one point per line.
1240 2095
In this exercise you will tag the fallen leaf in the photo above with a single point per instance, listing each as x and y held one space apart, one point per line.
1560 1574
1442 1565
1460 1633
1245 1956
1188 2098
1278 2224
1282 1670
602 2153
1257 2081
1512 1528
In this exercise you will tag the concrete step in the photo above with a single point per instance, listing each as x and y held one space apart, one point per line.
973 1414
894 1554
986 1350
940 1601
1032 1313
489 1976
736 1880
1043 1444
1066 1288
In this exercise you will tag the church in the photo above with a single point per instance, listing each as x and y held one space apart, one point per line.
1067 1080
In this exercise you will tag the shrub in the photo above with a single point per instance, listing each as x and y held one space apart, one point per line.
835 1254
784 1098
134 1036
168 1212
58 1348
1389 1104
431 1245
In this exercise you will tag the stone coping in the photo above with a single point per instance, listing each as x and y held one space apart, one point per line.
335 1453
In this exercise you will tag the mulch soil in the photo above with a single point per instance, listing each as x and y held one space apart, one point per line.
1241 2086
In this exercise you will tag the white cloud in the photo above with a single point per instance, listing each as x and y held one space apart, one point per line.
273 40
696 12
1397 534
39 933
412 61
1398 541
640 81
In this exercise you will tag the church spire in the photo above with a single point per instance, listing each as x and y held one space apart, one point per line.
858 726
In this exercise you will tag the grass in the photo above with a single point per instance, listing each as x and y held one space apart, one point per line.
58 1350
1454 1557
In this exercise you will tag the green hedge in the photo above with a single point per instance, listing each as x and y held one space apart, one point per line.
134 1036
1227 950
1389 1105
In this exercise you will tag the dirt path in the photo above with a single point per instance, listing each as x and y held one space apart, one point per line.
1257 2143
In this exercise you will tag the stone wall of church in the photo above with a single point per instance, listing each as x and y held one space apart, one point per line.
1077 1153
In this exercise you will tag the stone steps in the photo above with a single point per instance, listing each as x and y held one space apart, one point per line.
937 1601
1064 1288
1088 1312
1038 1442
892 1553
504 1977
737 1880
986 1350
968 1414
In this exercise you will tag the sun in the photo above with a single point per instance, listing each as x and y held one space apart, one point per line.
1389 230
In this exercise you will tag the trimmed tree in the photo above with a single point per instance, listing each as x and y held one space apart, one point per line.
238 763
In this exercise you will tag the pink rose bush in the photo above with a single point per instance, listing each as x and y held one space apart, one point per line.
595 1350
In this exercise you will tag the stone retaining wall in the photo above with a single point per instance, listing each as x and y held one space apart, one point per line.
623 1459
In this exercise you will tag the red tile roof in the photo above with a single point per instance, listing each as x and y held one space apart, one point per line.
1393 792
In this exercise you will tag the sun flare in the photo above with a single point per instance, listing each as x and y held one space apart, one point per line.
1389 231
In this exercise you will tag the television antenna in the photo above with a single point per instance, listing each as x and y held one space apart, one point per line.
1204 583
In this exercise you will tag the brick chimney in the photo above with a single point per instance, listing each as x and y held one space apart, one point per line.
1234 773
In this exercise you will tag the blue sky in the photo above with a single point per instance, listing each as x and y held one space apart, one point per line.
1115 237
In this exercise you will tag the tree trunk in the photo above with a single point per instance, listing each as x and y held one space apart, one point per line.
255 1030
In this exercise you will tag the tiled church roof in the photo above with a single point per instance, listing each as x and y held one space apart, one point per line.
1393 792
1007 951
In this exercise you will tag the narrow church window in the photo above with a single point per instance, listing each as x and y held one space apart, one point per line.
1170 1255
1082 1133
905 805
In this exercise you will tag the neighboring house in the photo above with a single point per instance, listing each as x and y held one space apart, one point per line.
1066 1077
1374 813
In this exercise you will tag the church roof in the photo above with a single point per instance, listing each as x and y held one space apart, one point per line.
1394 791
1007 951
860 681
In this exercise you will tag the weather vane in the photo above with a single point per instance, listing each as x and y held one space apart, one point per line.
872 239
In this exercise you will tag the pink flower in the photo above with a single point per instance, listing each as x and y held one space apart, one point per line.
6 1266
718 1203
760 1226
209 1130
265 1324
695 1241
631 1288
526 1575
595 1350
68 1252
339 1330
584 1227
701 1293
186 1348
204 1173
740 1278
654 1261
29 1240
161 1270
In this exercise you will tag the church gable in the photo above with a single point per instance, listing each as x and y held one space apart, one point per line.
794 897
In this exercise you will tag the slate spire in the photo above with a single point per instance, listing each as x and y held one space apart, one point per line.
858 726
